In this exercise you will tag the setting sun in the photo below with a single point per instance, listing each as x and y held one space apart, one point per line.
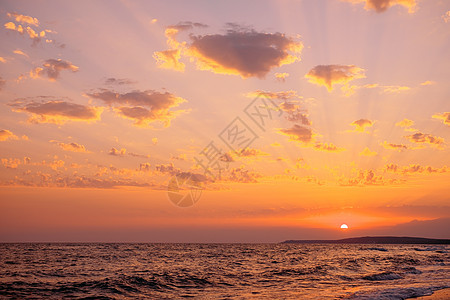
344 226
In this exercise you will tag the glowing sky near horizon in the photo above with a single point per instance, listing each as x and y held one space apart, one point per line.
103 102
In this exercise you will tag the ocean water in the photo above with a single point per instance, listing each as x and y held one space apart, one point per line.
221 271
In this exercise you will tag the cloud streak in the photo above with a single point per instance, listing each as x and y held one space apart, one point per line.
52 68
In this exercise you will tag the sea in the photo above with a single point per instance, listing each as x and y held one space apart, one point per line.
221 271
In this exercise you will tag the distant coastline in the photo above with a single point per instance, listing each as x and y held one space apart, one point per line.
374 240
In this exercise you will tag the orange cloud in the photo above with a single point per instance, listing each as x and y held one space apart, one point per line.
240 51
327 147
298 133
446 17
395 88
367 152
382 5
405 123
52 69
57 111
365 177
398 147
20 52
445 117
143 107
2 59
281 76
73 147
361 124
414 168
424 138
24 19
115 152
7 135
329 75
428 82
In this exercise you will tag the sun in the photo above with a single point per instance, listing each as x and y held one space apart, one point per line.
344 226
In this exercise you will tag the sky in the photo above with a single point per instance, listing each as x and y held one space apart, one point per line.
224 121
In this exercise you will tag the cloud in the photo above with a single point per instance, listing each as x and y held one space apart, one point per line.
428 82
367 152
20 52
298 133
241 51
2 83
36 36
445 117
284 95
155 141
143 107
329 75
115 152
24 19
366 177
446 17
424 138
57 111
73 147
382 5
145 167
7 135
2 60
361 124
52 69
281 77
241 175
414 168
118 81
405 123
327 147
398 147
394 89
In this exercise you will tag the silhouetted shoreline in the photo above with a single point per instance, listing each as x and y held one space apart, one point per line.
374 240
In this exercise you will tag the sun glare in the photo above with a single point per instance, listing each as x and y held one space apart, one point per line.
344 226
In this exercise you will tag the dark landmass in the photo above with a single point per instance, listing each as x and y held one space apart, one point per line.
373 240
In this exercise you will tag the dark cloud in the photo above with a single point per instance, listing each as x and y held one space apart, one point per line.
361 124
240 51
142 106
329 75
399 147
182 26
52 69
424 138
298 133
57 112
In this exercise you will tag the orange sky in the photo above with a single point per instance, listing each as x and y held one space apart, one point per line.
293 117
